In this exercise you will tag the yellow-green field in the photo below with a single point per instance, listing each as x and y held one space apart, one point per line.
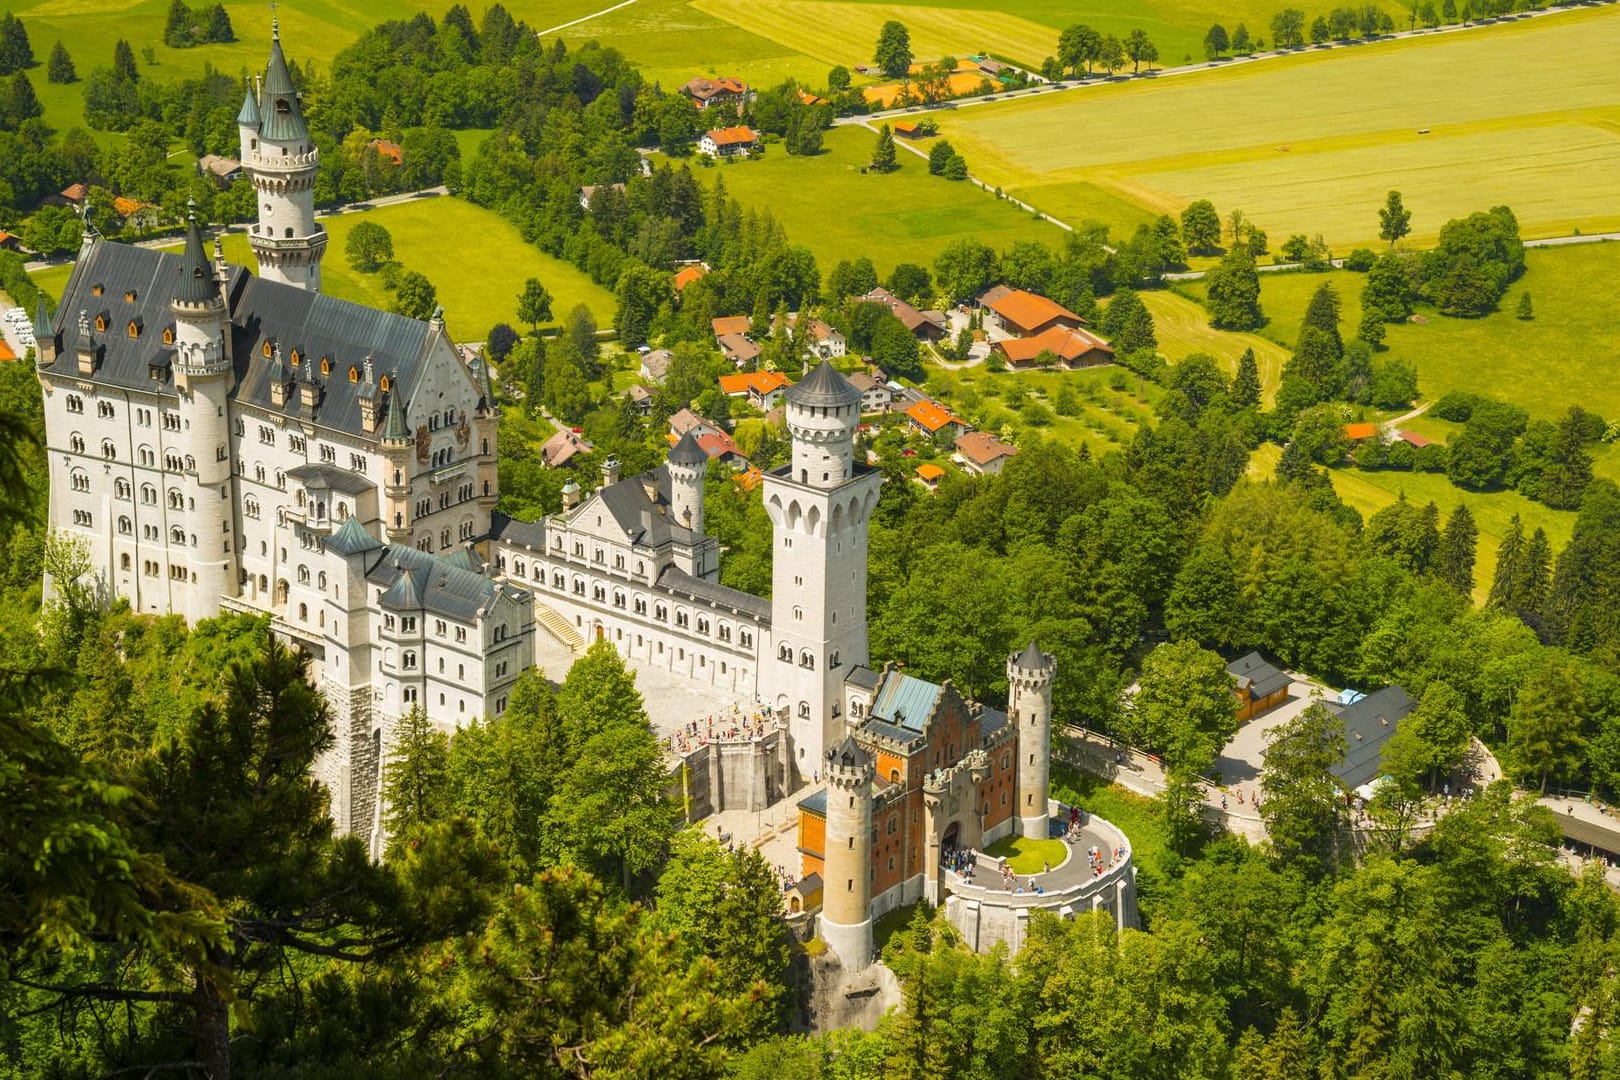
827 204
1567 355
1182 327
477 287
1525 114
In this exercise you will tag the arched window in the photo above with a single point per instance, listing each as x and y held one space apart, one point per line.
807 660
269 350
326 361
785 653
383 384
108 450
134 329
177 535
303 575
354 374
125 527
303 613
168 335
804 710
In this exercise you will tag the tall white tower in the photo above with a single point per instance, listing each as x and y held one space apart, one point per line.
281 159
202 379
819 506
1029 708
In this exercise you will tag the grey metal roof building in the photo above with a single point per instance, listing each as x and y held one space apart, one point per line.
1368 724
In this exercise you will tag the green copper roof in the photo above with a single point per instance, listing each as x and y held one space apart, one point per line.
249 116
42 321
394 426
283 121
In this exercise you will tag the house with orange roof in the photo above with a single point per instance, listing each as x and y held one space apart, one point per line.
728 142
388 150
930 418
1360 432
763 389
905 129
6 355
749 479
1068 347
708 93
1021 313
136 214
8 241
825 342
981 453
930 475
807 98
688 274
717 444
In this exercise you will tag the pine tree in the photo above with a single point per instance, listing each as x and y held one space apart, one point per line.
60 69
1246 384
1509 569
416 779
124 68
883 154
15 51
1535 580
24 102
1525 312
1454 563
1322 313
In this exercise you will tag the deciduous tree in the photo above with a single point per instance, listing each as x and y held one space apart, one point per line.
893 52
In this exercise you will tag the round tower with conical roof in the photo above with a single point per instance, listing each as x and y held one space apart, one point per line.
687 465
846 904
279 156
202 379
1029 710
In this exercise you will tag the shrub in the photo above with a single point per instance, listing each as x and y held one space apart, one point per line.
1456 406
1360 260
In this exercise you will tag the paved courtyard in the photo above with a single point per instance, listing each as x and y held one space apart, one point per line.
1242 758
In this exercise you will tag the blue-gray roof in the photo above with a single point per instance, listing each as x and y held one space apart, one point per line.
262 313
990 722
1368 724
680 583
351 538
815 802
862 676
415 580
1257 677
248 116
883 730
823 388
509 530
905 701
282 118
331 477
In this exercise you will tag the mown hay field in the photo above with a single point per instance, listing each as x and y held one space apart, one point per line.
1312 143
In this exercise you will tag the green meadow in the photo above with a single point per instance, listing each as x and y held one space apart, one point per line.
827 204
1311 143
477 288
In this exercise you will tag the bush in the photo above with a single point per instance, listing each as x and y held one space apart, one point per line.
1431 458
1457 406
1360 260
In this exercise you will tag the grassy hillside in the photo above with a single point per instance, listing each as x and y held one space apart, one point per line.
825 203
476 292
1457 122
1566 355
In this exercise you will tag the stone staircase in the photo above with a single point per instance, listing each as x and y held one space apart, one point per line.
558 627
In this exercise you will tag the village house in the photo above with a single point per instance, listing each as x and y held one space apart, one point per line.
388 150
875 392
982 454
1369 721
709 93
1360 432
737 348
763 389
930 418
930 476
686 420
136 214
825 342
655 365
221 170
728 324
927 325
563 447
728 142
641 398
688 274
1058 345
1019 313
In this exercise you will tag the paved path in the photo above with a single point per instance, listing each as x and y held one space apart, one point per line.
1281 268
581 19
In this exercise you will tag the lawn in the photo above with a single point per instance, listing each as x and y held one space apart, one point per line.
1182 326
825 203
423 231
1420 115
1567 355
1028 856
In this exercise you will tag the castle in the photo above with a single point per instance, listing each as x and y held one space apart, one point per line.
348 457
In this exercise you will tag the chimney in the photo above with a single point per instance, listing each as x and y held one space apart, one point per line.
570 495
610 470
368 399
279 378
649 484
87 349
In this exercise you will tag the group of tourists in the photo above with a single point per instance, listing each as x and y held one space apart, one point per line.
735 726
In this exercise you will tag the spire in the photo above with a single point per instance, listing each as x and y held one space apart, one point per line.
42 321
278 369
194 284
1032 659
688 452
282 119
249 114
395 429
823 388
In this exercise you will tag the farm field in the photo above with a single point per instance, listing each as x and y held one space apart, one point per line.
1414 115
1182 327
1567 355
1110 411
825 203
314 30
474 299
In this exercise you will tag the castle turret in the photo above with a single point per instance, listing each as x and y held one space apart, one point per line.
44 335
396 447
1029 710
846 911
280 158
202 376
819 506
687 464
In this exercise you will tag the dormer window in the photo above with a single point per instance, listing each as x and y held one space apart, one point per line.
282 106
134 328
168 335
268 349
98 289
101 323
383 384
129 296
354 374
326 365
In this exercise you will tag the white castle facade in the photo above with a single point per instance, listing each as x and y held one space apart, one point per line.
220 440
